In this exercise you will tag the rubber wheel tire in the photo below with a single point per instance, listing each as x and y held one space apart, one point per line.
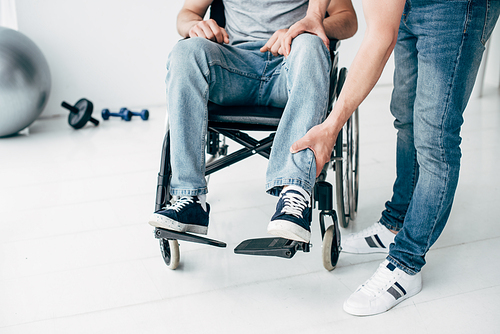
350 170
170 253
347 168
330 251
353 170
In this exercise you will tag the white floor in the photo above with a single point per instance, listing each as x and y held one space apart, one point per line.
77 256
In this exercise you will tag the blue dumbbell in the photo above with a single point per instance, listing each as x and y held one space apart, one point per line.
124 113
144 114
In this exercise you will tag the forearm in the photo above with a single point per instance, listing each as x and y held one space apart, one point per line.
364 73
341 25
191 14
376 48
186 19
317 8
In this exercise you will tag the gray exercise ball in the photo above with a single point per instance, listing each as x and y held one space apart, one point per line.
24 82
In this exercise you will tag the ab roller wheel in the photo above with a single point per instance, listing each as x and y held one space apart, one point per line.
80 113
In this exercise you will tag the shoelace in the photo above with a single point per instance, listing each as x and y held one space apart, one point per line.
378 282
294 204
180 203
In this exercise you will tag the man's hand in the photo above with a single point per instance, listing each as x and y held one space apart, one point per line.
210 30
321 141
312 24
274 43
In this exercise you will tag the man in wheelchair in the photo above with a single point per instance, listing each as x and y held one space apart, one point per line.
242 63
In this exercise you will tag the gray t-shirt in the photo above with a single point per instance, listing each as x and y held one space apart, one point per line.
251 20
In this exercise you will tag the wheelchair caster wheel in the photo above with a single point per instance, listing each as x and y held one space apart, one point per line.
170 253
330 250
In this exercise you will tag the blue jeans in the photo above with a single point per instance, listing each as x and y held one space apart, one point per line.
437 55
200 71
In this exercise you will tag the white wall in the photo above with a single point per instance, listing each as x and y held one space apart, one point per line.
350 46
114 52
492 74
109 51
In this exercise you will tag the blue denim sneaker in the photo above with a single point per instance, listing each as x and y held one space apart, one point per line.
185 215
292 219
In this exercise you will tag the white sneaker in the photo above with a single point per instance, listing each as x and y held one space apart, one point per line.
388 287
374 239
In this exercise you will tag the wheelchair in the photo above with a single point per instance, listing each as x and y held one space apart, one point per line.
232 122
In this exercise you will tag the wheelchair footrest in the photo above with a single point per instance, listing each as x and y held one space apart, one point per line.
161 233
279 247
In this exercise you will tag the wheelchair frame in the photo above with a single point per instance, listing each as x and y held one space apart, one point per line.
229 122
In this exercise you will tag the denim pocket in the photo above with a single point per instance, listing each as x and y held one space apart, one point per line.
491 17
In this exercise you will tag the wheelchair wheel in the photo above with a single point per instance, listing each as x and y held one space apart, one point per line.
347 165
170 253
347 172
353 165
330 250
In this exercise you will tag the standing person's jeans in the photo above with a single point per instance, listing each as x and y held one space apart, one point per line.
200 70
438 53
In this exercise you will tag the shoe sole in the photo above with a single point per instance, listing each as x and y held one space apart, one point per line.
364 251
160 221
288 230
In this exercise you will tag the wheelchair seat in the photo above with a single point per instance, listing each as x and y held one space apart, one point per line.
258 118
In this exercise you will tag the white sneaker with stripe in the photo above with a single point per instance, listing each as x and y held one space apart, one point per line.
374 239
388 287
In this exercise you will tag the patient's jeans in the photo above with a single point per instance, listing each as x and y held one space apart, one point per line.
200 70
438 53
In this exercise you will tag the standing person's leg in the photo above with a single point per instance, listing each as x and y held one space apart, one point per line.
450 42
378 237
449 55
305 81
200 70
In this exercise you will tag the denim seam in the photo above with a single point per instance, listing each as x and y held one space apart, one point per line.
414 177
287 70
406 12
205 121
415 168
388 225
262 80
281 182
483 35
467 18
400 265
233 70
312 162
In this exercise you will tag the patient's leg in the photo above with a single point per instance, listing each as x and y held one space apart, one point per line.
305 79
198 71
